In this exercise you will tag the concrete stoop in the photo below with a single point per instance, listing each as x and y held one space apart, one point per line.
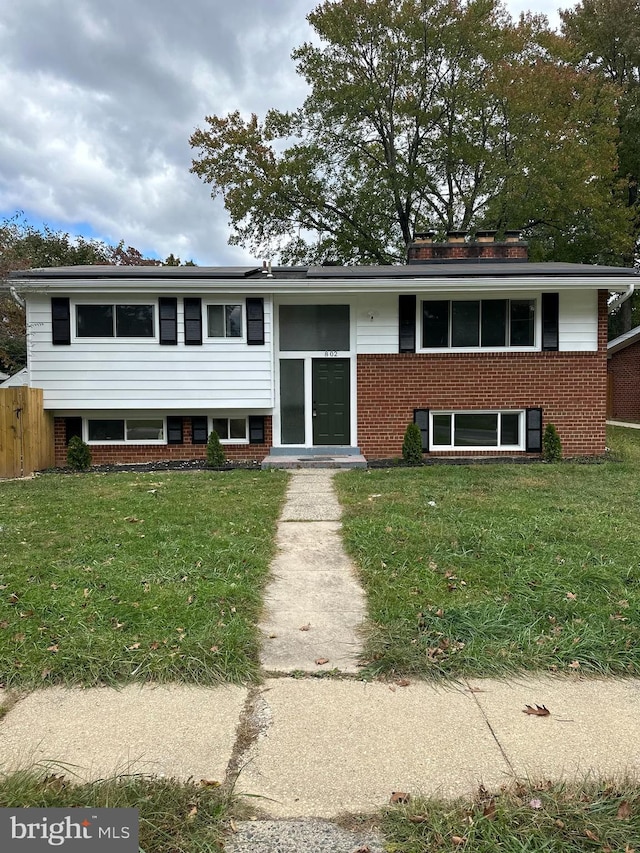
329 456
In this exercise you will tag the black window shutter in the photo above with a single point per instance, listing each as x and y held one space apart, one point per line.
534 430
72 429
421 417
60 321
168 310
174 430
550 312
255 321
192 321
199 429
256 429
407 318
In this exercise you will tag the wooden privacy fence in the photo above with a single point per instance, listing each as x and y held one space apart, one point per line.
26 432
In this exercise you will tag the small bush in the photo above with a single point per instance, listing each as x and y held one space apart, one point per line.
78 454
412 445
215 453
551 444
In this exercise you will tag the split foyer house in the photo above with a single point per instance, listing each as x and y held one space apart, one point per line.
478 346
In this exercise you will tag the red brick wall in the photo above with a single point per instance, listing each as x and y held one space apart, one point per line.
120 454
569 386
624 366
466 251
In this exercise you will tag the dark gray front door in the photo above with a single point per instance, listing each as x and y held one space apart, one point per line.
331 401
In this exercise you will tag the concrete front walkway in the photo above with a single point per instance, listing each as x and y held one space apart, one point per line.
314 605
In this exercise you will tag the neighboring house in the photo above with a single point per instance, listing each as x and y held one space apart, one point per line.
479 346
21 377
624 376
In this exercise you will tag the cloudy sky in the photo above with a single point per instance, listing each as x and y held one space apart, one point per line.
98 99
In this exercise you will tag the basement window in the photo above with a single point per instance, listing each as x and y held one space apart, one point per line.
477 430
230 429
125 430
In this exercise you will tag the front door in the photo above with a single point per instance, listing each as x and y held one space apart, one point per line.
330 383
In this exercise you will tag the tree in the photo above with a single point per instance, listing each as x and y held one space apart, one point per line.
603 37
439 113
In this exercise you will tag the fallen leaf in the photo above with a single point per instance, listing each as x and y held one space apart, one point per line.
403 682
458 839
537 711
418 818
53 648
133 646
86 593
399 798
624 812
192 813
365 849
321 661
45 674
14 598
571 596
306 627
559 823
210 783
213 649
133 520
591 835
575 664
155 645
489 810
535 804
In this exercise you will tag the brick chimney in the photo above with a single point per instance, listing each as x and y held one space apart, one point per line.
458 248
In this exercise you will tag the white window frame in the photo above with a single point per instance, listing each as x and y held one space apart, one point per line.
125 440
499 447
242 338
228 418
479 297
115 337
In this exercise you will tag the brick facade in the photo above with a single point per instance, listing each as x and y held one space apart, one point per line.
122 454
569 386
624 368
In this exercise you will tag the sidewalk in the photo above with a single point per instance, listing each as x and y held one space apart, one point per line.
320 747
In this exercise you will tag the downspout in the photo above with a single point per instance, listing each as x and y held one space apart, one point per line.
617 302
17 298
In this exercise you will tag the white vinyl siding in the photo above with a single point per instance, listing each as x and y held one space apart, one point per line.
377 323
137 373
578 321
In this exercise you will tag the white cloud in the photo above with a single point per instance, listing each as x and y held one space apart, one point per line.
98 101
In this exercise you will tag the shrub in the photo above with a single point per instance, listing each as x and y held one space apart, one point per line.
412 445
551 444
215 453
78 454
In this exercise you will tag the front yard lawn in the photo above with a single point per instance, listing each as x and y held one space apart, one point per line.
563 818
115 577
494 569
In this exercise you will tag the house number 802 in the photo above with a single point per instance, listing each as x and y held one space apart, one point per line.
330 353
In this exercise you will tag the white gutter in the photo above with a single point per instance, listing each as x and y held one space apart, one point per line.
617 302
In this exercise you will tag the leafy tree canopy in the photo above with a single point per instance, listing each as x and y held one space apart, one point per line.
436 114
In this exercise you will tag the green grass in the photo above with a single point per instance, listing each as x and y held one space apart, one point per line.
495 569
560 818
106 578
174 817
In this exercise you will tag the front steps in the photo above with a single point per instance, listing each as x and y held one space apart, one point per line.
326 456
